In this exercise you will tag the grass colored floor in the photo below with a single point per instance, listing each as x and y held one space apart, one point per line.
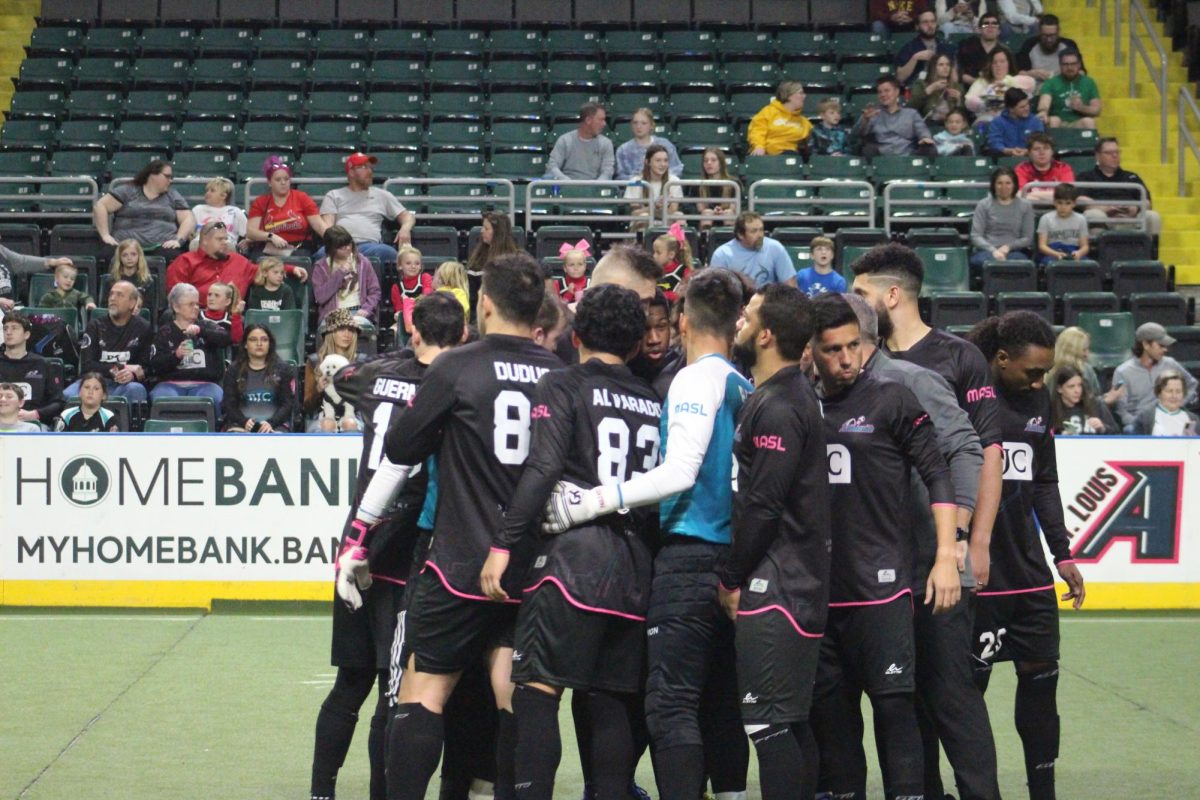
181 706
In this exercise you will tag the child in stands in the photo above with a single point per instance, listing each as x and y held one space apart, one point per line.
269 292
64 294
90 415
673 253
451 277
222 307
414 282
575 278
820 278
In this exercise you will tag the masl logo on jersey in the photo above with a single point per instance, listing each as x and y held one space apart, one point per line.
1138 502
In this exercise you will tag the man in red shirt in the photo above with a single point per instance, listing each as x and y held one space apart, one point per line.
213 262
1042 166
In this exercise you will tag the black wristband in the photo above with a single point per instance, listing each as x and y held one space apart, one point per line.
961 534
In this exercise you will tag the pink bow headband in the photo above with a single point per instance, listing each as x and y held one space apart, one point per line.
676 233
582 246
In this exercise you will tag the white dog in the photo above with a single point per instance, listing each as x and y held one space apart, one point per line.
333 407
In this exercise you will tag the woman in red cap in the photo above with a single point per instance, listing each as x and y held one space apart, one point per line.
283 219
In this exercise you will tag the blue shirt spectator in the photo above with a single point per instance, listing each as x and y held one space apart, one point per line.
631 156
814 283
759 257
1008 134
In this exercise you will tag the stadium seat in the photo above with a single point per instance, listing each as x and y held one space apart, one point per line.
176 426
461 42
1039 303
734 45
516 106
204 163
1009 276
54 71
453 105
946 270
573 43
436 240
1165 308
699 44
343 136
39 284
175 411
396 74
169 73
86 134
697 107
515 75
215 41
1111 335
217 104
209 135
1075 142
694 137
1186 349
1072 276
691 76
283 73
28 134
70 316
624 105
518 136
862 45
22 237
396 106
834 167
167 41
1074 303
289 328
397 136
289 42
773 199
332 73
102 71
957 309
114 41
760 75
637 44
335 106
894 168
213 72
455 199
575 76
563 106
1138 276
1114 246
454 165
388 43
783 167
154 104
454 73
321 165
548 239
53 40
50 104
963 168
518 166
344 42
933 237
861 76
804 45
147 134
505 42
94 104
817 76
908 201
76 162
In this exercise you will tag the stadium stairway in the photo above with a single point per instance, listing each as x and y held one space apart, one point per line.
1134 122
16 23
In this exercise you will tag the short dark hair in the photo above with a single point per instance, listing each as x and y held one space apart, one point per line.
1166 377
660 300
1000 172
551 312
515 284
893 259
610 319
636 259
439 318
589 110
1048 19
15 388
787 313
713 302
1013 333
1013 97
989 15
155 167
889 78
1065 191
20 319
1103 140
831 311
1070 51
1039 137
739 224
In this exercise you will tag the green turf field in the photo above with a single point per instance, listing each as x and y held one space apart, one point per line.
180 706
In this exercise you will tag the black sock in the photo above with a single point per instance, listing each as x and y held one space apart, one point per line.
506 754
539 746
335 728
899 742
413 749
1036 718
808 754
780 767
470 750
982 676
581 716
612 746
377 743
837 723
679 772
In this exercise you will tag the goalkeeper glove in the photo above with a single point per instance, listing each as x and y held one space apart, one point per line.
353 569
570 505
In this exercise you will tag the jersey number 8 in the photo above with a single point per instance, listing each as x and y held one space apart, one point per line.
612 445
510 427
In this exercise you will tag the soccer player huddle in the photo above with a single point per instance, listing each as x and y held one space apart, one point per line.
713 545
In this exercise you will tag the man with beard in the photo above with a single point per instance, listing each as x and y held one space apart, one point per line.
754 254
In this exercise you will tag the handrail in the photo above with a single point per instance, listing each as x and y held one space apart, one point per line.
508 199
1160 79
1184 138
39 197
1118 56
803 206
251 183
554 196
191 180
890 202
1142 202
735 201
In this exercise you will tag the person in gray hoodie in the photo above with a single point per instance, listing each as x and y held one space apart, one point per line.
1002 226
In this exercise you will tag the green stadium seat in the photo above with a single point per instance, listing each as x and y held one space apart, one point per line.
690 44
94 104
461 136
54 40
225 42
1073 276
336 106
129 162
1039 303
86 134
382 136
458 42
24 162
262 133
272 104
399 164
834 190
217 104
901 192
515 75
203 163
1009 276
853 168
462 106
454 73
28 134
946 270
399 106
52 71
454 165
289 328
691 76
461 199
697 106
396 74
76 197
752 74
892 168
390 44
175 425
965 199
100 71
516 136
695 136
573 43
273 43
782 167
518 166
48 104
622 106
76 162
743 105
39 284
247 164
963 168
861 76
285 73
178 412
1165 308
321 165
147 134
639 44
516 106
343 42
817 76
154 104
340 136
1075 141
210 72
957 310
628 75
68 315
803 44
1076 303
1139 276
782 199
862 45
167 42
510 42
746 44
346 73
205 134
565 105
110 41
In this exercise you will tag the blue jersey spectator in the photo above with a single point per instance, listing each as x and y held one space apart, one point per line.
761 258
820 278
1008 134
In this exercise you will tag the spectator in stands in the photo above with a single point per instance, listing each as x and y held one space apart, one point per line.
913 57
1062 233
187 356
958 17
1139 374
345 278
129 264
890 130
223 305
1008 133
973 53
1075 409
985 98
820 278
1108 170
361 209
752 253
13 264
780 126
270 291
412 283
12 398
90 416
660 195
955 139
495 239
1020 16
1167 417
451 277
41 388
339 335
714 201
117 346
631 156
213 262
1069 99
64 294
1042 167
935 93
1002 226
1038 56
146 209
283 219
674 255
218 195
1073 348
584 154
892 16
259 387
829 136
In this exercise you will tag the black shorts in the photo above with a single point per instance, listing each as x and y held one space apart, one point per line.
561 645
776 668
1016 627
446 633
362 639
869 647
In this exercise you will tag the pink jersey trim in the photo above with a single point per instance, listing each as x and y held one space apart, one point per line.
1017 591
1065 561
581 606
387 579
790 619
896 596
456 592
497 550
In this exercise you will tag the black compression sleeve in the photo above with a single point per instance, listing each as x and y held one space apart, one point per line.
1047 502
916 435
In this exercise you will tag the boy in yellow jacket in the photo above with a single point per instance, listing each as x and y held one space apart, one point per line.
781 126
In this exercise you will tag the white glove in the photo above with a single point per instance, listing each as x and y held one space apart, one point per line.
570 505
353 574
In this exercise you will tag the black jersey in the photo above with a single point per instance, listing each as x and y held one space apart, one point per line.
876 431
967 371
781 527
106 344
473 409
593 424
1030 486
660 373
